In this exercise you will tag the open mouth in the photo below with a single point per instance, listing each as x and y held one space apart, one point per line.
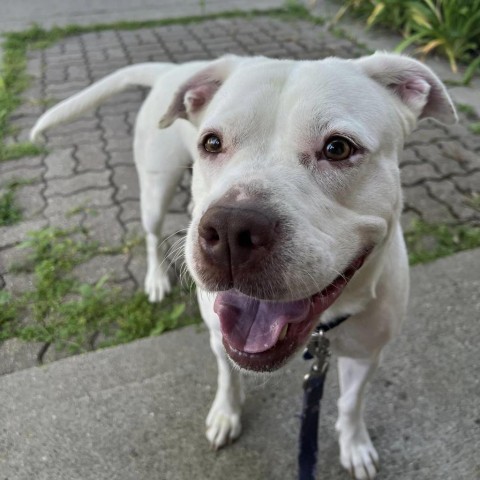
261 335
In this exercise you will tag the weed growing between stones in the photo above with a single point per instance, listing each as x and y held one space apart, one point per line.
71 315
10 213
427 242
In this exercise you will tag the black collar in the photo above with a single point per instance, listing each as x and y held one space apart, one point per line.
325 327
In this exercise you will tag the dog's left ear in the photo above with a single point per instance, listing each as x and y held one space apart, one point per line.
413 82
195 94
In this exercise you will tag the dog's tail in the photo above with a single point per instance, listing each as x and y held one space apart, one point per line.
143 74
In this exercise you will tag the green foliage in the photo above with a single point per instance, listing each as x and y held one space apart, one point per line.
19 150
451 27
466 109
10 213
68 313
475 128
426 241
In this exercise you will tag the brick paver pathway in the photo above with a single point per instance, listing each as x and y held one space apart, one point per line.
89 167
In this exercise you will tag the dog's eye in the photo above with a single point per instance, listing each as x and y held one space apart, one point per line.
337 148
212 144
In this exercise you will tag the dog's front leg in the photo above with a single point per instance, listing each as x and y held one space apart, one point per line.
357 454
161 159
223 420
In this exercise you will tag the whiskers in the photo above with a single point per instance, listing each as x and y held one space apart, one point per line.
174 258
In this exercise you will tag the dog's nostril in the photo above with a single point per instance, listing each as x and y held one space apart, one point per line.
210 235
244 239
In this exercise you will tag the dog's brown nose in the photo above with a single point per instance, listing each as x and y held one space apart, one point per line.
233 237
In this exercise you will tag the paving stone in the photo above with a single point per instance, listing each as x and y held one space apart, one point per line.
22 135
30 200
30 174
21 121
119 108
65 89
18 283
56 74
52 354
417 173
432 211
130 210
104 227
60 163
64 222
119 145
126 181
12 257
408 218
85 200
426 136
447 193
16 355
91 157
137 267
175 223
14 234
81 181
77 73
77 138
180 201
462 157
468 183
16 165
133 228
113 266
124 158
29 109
81 125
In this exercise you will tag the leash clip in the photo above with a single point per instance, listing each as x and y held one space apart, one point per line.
318 348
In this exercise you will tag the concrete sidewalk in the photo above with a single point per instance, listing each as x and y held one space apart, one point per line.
137 412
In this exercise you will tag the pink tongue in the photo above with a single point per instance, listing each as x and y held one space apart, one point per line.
253 326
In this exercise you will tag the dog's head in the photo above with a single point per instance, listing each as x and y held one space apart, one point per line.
296 186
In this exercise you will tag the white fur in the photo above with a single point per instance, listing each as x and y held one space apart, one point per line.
270 111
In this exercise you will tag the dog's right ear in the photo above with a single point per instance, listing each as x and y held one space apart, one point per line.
195 94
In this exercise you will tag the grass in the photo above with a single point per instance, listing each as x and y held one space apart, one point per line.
427 242
451 27
467 110
475 128
10 213
67 313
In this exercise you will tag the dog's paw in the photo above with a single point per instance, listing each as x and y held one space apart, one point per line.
357 453
157 285
223 425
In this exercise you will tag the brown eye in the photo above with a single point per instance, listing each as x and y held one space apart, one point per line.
212 144
337 148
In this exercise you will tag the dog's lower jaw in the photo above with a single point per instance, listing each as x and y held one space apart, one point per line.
262 336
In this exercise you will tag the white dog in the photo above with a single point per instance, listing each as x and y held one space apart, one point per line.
297 200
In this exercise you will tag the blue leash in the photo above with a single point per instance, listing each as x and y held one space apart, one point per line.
318 349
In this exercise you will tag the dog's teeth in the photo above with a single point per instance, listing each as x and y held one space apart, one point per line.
283 333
